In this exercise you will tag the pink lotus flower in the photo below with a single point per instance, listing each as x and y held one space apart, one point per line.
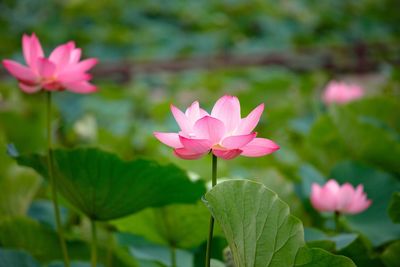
61 70
341 93
343 199
224 132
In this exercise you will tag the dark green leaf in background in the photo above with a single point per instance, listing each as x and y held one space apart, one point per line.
105 187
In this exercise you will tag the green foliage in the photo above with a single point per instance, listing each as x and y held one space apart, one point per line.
104 187
182 226
18 189
259 228
394 207
391 255
43 244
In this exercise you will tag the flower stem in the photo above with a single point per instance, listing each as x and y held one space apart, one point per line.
53 183
211 228
337 221
173 256
94 243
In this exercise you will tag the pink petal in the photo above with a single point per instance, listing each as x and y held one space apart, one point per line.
85 65
75 55
345 197
329 193
20 72
227 110
170 139
34 51
238 141
74 77
259 147
183 153
194 112
197 146
61 54
46 68
182 120
209 128
248 124
317 200
82 87
29 88
226 153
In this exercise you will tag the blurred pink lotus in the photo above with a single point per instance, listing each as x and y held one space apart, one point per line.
340 92
224 132
343 199
62 70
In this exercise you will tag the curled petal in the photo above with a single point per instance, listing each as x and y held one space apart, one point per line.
238 141
316 200
183 153
227 110
20 72
209 128
259 147
248 124
226 153
170 139
182 120
197 146
30 89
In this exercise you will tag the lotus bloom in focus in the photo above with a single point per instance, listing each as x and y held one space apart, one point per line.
342 199
341 93
223 132
61 70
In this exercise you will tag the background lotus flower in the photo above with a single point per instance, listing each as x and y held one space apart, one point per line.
61 70
343 199
340 92
224 132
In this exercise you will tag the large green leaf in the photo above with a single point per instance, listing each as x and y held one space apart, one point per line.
374 222
259 228
43 244
179 225
105 187
394 207
316 257
16 258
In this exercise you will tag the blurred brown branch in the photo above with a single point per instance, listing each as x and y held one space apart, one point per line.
358 58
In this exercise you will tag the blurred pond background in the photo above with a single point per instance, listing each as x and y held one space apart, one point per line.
282 53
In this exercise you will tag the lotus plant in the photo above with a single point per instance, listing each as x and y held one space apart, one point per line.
62 70
223 133
341 93
343 199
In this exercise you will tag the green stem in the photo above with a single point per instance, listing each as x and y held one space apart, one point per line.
173 256
211 228
110 248
53 183
337 222
94 243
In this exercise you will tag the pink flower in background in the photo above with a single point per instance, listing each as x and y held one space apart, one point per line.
343 199
61 70
340 93
224 132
